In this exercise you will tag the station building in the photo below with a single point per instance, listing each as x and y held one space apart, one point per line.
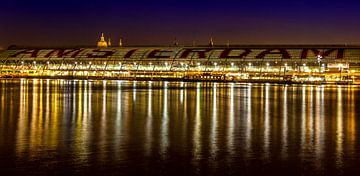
240 63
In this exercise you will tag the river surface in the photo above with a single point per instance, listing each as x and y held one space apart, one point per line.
79 127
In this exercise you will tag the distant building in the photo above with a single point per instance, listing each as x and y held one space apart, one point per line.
102 42
243 63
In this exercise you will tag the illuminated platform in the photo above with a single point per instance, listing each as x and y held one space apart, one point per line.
245 63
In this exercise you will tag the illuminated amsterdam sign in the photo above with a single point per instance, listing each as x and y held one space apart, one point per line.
182 53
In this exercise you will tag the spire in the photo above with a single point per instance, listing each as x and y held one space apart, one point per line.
228 43
120 42
109 42
211 42
102 38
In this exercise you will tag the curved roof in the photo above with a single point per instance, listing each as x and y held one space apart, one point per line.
198 52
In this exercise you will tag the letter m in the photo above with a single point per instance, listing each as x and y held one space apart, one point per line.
323 53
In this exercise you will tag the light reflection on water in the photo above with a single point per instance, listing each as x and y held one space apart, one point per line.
177 128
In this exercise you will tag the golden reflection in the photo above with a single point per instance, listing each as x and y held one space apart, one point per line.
185 115
90 99
3 86
248 140
73 97
351 124
181 93
82 125
54 117
267 122
104 127
214 124
134 91
165 122
231 121
53 111
339 129
149 122
118 122
310 121
303 120
22 128
284 148
319 122
197 130
85 101
47 105
36 131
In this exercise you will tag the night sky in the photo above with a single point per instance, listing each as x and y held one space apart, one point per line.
146 22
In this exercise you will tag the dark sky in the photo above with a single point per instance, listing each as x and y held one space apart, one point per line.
80 22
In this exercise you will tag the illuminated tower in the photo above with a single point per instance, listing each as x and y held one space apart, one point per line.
109 43
211 42
102 43
120 42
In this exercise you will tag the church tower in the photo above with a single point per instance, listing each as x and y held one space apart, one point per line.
109 43
211 42
102 43
120 42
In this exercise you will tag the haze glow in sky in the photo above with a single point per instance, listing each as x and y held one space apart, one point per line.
146 22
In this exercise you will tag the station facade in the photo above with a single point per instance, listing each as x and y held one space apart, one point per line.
249 63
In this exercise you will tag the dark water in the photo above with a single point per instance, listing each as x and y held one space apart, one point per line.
58 127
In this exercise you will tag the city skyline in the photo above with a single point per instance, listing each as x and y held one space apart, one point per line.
70 23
